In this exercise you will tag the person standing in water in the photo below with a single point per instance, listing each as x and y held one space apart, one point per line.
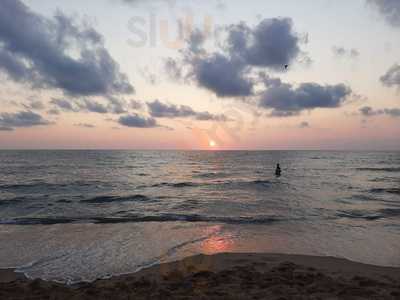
278 170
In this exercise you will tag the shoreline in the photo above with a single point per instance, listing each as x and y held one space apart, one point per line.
225 276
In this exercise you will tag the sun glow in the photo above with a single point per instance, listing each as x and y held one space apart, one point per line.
212 144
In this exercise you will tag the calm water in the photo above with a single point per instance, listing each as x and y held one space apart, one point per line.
79 215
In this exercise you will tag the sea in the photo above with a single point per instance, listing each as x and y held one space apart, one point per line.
75 216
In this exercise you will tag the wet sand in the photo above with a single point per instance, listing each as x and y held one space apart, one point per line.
225 276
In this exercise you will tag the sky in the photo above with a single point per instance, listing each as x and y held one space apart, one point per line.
209 75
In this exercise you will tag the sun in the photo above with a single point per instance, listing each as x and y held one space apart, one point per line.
212 144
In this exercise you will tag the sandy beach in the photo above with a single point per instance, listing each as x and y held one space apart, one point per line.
225 276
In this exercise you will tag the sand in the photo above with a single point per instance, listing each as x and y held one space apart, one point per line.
226 276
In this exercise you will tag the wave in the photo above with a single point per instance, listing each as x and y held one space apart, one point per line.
395 191
142 174
259 182
47 185
379 169
386 179
38 221
64 201
233 183
354 214
356 197
391 212
370 216
111 199
212 175
12 201
190 218
145 219
362 197
170 184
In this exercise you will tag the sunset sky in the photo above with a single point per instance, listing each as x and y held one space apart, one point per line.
221 74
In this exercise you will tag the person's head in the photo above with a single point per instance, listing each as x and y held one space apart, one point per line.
278 166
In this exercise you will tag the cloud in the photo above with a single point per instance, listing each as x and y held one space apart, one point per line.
9 121
393 112
34 104
92 106
271 44
173 69
228 71
115 106
56 53
237 68
286 100
85 125
304 125
170 3
162 110
64 105
222 75
389 9
368 111
134 104
53 111
137 121
14 66
392 76
342 52
4 128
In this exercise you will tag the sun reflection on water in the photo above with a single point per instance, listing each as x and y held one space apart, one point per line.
218 244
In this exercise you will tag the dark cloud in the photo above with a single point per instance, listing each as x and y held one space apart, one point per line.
38 51
21 119
162 110
392 76
137 121
368 111
269 81
228 72
286 100
14 66
114 106
389 9
343 52
222 75
271 44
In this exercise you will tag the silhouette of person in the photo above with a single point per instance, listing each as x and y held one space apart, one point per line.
278 170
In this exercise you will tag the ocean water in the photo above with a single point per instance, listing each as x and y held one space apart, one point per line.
75 216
